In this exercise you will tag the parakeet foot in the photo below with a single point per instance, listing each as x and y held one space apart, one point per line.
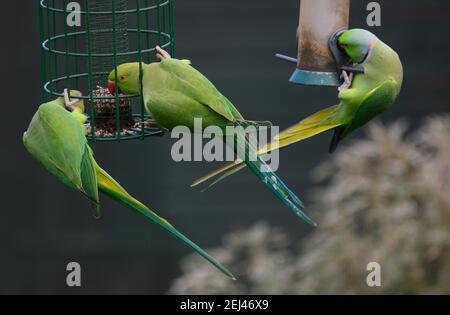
153 123
251 123
70 104
161 54
347 81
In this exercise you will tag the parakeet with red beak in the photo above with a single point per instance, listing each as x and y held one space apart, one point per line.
175 94
363 96
56 138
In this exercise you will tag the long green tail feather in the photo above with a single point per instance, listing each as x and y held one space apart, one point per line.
219 171
111 188
317 123
260 168
232 171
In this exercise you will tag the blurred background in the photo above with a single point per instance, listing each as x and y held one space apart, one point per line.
384 197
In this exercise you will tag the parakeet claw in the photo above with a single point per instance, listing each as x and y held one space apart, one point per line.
251 123
70 104
153 123
162 54
347 81
240 122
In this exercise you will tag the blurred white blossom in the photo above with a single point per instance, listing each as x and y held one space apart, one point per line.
384 199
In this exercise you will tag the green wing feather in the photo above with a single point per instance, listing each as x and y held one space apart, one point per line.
198 87
89 179
55 139
376 102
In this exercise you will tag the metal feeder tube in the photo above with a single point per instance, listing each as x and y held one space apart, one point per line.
319 20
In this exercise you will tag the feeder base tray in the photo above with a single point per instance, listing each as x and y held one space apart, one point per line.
315 78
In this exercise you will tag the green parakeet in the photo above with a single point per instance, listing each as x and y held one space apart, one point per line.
175 94
362 97
56 138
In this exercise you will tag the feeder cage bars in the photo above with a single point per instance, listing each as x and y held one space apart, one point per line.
81 55
102 42
319 20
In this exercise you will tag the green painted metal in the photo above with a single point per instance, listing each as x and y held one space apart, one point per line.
80 57
315 78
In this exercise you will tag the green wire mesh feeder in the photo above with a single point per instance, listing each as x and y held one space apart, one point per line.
83 41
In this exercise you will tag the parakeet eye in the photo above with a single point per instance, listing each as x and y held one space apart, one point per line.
122 78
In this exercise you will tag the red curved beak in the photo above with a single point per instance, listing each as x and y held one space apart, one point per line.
112 87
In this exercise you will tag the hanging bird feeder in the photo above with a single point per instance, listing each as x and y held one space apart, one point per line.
319 21
80 46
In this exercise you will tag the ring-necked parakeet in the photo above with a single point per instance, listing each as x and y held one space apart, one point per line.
362 97
56 137
175 94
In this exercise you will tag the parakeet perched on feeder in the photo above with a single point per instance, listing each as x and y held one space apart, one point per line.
175 94
362 96
56 138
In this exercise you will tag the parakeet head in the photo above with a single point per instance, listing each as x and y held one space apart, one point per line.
357 44
127 79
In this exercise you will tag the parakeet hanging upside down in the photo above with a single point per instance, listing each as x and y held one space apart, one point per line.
56 138
175 94
362 97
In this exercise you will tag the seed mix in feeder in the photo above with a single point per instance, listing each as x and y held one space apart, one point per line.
105 117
